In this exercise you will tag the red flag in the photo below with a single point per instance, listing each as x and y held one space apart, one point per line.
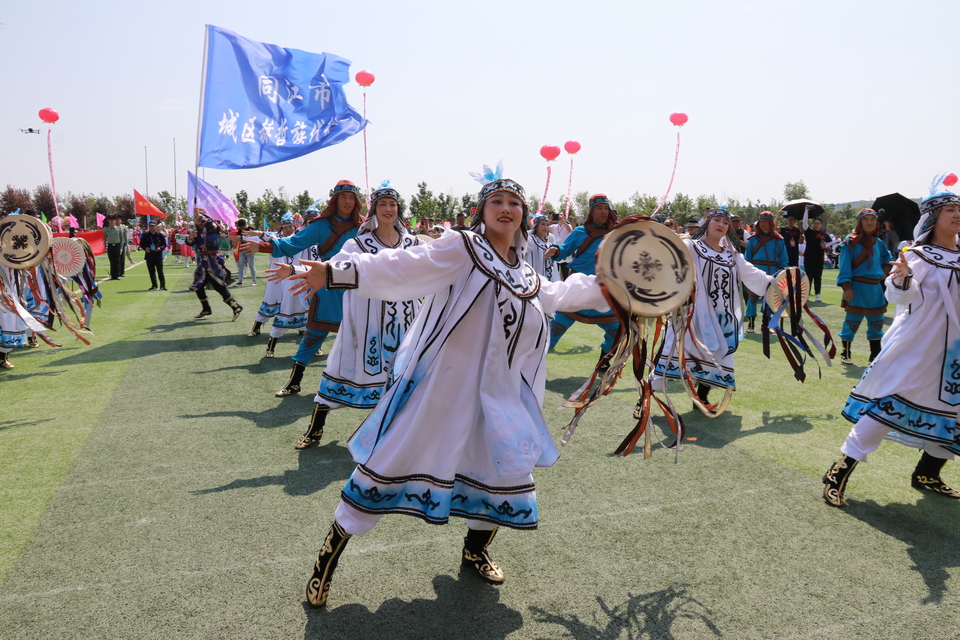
145 207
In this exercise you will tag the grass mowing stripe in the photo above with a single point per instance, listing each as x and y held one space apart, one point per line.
218 537
53 398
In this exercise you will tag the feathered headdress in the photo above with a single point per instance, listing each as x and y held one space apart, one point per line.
385 190
930 208
488 175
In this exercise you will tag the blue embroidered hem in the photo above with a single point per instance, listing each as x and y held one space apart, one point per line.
348 393
435 500
912 420
701 371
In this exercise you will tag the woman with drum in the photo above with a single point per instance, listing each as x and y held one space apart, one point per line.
718 314
910 392
460 428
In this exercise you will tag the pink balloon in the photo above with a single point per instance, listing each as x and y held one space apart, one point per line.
549 152
679 118
365 78
950 180
49 115
571 146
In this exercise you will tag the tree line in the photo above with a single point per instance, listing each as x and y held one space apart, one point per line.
271 205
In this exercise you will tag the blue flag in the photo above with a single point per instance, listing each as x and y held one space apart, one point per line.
264 104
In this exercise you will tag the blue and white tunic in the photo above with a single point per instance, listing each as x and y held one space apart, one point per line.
913 385
286 309
459 428
369 336
718 316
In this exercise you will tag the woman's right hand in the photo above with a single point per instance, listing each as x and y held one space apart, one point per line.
312 280
900 269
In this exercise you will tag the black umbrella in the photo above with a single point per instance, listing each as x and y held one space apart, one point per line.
901 210
796 207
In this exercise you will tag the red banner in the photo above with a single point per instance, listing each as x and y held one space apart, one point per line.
95 238
145 207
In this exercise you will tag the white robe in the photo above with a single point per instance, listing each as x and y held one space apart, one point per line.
913 385
287 310
536 248
460 427
370 334
718 316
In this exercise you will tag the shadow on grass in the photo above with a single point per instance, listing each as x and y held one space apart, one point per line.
122 349
310 477
933 549
16 424
465 608
572 351
852 370
650 615
287 412
13 377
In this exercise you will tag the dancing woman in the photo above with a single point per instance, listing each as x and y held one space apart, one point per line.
718 316
459 428
371 332
911 391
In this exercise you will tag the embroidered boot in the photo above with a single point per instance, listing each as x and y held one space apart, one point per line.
835 480
206 311
293 385
315 430
235 306
751 326
256 329
271 345
845 356
475 555
318 587
926 477
5 361
32 342
874 349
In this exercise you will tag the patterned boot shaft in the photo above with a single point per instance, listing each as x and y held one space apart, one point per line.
318 587
475 556
835 480
293 385
315 430
926 477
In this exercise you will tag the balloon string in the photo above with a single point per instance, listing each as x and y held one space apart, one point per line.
545 190
566 214
670 186
366 166
53 186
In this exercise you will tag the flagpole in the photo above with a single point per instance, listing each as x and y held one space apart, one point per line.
203 92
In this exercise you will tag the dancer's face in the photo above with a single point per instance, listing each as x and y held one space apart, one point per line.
502 214
387 211
345 204
717 227
868 223
948 221
600 213
543 228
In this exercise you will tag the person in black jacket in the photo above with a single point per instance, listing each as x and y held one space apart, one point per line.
153 243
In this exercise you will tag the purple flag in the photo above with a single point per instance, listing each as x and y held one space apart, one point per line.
203 195
101 219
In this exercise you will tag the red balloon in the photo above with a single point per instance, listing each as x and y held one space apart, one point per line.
950 180
365 78
571 146
49 115
549 152
679 118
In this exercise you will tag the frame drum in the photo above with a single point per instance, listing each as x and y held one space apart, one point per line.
646 268
68 257
24 241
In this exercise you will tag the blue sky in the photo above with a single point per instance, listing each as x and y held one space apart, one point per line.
855 98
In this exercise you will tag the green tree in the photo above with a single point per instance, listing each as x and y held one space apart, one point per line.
103 205
78 208
447 206
12 199
43 201
467 202
242 200
423 204
301 202
795 191
124 206
269 207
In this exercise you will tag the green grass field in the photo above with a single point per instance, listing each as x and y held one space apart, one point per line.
149 488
